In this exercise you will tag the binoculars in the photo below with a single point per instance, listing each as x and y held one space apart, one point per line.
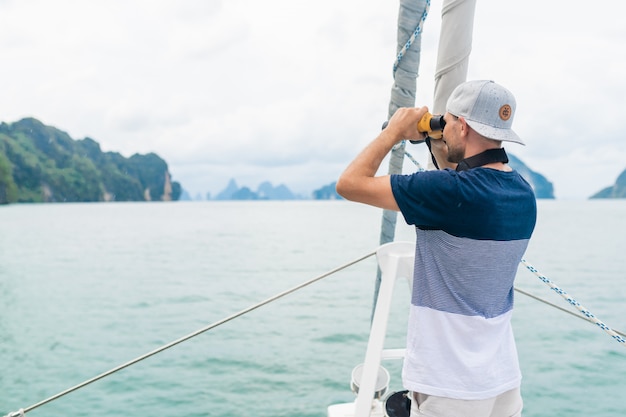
433 125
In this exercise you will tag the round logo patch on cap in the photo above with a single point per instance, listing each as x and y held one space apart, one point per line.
505 112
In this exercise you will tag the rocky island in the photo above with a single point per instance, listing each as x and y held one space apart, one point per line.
40 163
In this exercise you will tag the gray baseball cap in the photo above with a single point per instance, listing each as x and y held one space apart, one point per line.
487 107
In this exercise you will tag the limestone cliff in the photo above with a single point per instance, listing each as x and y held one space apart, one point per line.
40 163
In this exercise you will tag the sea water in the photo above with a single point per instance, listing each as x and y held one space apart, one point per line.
87 287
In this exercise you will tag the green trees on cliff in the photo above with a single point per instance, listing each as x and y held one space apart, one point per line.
39 163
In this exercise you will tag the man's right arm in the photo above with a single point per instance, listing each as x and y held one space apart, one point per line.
359 181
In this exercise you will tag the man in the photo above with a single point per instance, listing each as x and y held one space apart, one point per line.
473 221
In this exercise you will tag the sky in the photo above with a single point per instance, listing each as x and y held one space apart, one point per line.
290 91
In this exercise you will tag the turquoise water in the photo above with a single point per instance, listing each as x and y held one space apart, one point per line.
87 287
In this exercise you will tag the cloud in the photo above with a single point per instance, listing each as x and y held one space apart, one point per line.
289 91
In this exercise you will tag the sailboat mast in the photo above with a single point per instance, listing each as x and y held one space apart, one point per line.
411 17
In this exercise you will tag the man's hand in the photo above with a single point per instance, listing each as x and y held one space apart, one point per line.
403 123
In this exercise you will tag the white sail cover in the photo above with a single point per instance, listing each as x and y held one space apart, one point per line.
455 45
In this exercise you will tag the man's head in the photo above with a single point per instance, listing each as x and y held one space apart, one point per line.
487 107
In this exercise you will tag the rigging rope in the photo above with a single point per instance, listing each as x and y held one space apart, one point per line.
417 32
575 303
579 316
22 411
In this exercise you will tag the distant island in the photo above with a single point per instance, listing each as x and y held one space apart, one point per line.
41 164
617 190
267 191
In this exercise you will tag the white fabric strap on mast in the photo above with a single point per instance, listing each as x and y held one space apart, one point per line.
455 45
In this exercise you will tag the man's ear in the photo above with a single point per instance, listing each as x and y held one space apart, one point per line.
464 126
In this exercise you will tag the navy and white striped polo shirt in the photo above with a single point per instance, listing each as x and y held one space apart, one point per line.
473 228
